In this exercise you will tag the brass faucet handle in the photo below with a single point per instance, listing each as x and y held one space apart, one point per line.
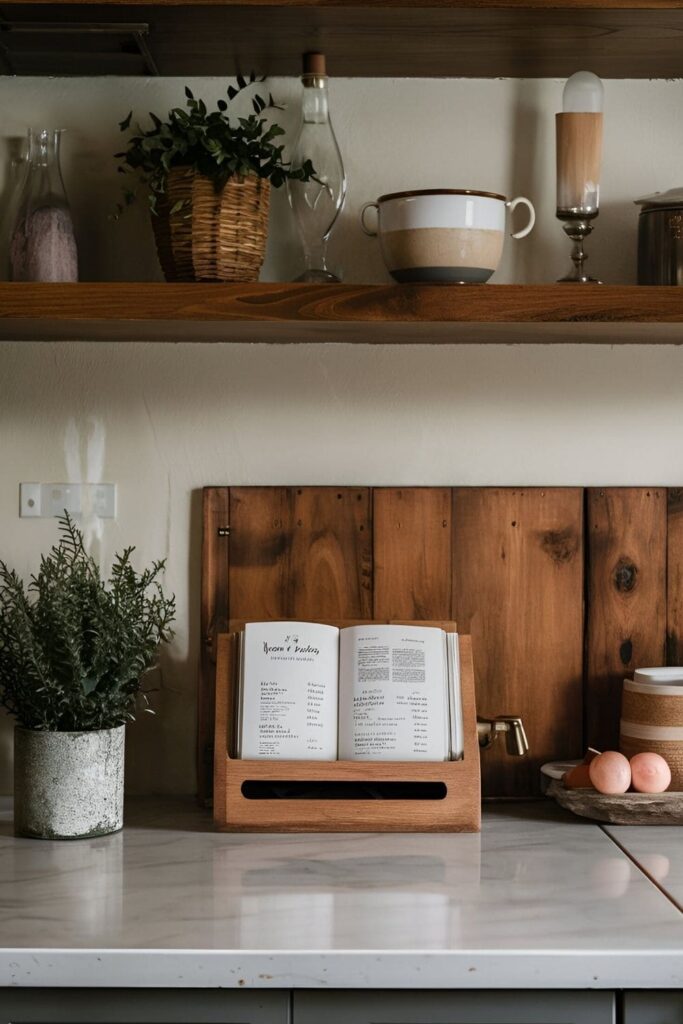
516 742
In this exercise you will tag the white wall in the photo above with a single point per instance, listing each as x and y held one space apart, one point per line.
173 418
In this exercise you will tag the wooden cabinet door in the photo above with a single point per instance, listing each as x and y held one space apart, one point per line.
504 1007
142 1006
653 1008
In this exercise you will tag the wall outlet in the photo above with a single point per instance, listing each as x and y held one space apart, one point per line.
48 501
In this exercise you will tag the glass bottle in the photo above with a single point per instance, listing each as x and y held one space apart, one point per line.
43 245
317 203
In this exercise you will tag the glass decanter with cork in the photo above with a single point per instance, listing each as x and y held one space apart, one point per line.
317 203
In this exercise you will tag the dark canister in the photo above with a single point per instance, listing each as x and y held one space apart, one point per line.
660 238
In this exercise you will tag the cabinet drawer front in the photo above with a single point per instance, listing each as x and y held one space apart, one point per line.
142 1006
653 1008
537 1007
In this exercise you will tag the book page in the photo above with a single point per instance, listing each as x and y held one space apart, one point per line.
289 691
393 699
240 687
455 698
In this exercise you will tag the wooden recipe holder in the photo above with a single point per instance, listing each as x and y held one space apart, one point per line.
344 796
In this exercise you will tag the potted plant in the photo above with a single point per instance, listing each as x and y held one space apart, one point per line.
208 177
73 650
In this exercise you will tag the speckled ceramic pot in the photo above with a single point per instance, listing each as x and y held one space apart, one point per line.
68 785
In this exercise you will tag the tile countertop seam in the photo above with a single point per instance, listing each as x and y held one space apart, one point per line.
649 874
658 852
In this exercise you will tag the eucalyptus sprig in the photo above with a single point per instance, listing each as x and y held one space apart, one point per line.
216 144
73 648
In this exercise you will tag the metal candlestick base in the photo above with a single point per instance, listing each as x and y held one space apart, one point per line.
578 225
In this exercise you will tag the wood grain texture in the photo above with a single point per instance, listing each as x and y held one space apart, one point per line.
519 6
510 563
412 552
303 552
674 577
459 811
226 670
626 598
518 590
484 38
302 312
214 620
261 529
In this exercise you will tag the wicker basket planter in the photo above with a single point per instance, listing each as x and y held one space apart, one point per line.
216 236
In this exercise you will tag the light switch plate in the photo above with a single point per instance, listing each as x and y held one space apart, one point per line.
29 499
48 501
56 499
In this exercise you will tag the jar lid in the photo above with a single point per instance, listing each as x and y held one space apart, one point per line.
669 675
674 197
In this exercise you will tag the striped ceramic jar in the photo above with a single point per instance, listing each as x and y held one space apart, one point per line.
652 717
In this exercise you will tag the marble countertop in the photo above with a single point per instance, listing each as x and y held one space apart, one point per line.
539 900
658 851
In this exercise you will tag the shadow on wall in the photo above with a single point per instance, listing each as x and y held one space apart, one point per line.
613 246
13 154
152 740
6 751
526 171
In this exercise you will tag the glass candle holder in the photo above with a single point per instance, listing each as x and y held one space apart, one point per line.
579 158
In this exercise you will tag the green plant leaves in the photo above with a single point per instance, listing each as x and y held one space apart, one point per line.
73 647
89 685
214 143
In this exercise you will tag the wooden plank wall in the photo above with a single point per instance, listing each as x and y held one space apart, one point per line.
625 597
518 590
564 591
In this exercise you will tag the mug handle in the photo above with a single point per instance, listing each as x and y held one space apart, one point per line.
511 204
366 229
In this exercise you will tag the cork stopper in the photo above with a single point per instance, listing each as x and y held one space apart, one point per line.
314 64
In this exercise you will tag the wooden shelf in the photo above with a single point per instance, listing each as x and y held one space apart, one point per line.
341 313
479 38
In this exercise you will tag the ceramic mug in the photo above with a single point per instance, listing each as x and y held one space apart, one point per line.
443 235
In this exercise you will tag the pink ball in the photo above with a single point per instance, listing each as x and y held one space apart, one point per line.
610 772
650 773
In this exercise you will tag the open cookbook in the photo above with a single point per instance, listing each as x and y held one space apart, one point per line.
362 693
